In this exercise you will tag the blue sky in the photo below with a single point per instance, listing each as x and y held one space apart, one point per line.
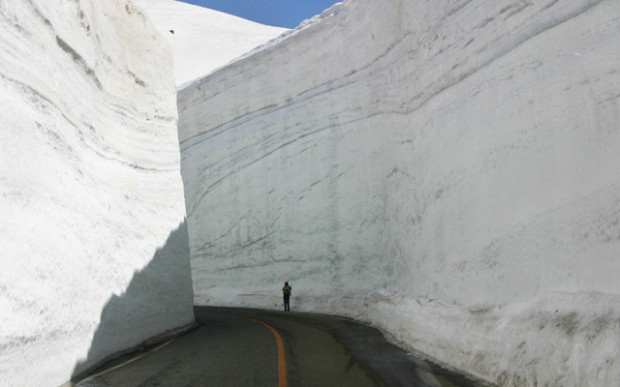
280 13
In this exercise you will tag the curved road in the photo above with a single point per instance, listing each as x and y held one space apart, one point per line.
248 347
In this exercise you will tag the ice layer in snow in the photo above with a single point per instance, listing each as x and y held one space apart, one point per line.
93 244
445 169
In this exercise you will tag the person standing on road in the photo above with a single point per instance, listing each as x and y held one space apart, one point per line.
286 290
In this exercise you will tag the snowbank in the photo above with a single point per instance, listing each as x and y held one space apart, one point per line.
464 152
94 246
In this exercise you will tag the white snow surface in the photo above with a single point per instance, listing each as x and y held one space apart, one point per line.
446 170
93 242
203 39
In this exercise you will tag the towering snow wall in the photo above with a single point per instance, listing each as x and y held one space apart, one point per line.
93 242
448 170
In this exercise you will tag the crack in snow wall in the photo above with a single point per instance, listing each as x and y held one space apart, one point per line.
445 169
93 241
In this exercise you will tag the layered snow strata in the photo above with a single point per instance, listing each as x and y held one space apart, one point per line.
458 151
94 248
203 39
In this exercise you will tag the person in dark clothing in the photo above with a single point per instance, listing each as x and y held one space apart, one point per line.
286 290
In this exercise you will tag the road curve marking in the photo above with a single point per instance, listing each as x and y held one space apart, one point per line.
282 378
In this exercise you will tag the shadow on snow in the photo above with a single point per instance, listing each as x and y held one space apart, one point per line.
157 304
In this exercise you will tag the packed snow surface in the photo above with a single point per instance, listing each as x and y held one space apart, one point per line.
203 39
93 242
447 170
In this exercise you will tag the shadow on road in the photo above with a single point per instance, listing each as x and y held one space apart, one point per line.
319 345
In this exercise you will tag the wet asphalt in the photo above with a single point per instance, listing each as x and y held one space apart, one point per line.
238 347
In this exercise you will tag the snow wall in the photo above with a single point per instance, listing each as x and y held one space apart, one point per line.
93 239
447 170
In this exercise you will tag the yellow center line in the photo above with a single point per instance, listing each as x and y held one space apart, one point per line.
282 379
282 382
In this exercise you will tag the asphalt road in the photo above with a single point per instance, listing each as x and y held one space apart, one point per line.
248 347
